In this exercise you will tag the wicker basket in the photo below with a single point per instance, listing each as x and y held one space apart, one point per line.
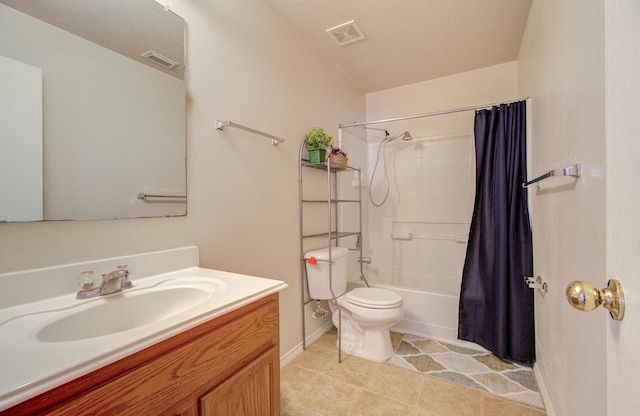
338 162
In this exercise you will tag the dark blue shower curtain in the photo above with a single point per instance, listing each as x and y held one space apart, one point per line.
496 306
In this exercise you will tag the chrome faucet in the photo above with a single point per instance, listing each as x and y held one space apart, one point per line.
112 282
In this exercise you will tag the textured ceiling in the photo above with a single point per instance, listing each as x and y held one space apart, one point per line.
412 40
124 26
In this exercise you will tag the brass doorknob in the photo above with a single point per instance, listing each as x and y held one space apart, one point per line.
585 297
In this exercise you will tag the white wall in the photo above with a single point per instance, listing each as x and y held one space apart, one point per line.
432 186
249 65
622 74
487 85
561 67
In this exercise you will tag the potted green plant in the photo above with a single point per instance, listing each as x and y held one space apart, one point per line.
317 141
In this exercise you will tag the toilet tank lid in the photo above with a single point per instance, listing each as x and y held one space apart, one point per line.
323 253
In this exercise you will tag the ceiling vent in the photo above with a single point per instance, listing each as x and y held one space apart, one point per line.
346 33
155 57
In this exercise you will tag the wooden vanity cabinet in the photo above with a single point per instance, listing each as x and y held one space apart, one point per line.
225 367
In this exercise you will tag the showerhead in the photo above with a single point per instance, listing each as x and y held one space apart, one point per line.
405 136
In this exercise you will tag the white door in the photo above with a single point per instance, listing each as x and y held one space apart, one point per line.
622 89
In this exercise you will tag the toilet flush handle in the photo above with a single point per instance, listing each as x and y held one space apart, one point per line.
366 260
314 260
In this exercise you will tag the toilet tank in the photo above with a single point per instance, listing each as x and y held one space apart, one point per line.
318 274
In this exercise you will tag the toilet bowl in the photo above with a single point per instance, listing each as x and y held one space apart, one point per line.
366 313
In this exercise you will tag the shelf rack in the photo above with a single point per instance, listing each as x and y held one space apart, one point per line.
334 234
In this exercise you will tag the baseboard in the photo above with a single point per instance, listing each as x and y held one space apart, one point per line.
543 392
287 357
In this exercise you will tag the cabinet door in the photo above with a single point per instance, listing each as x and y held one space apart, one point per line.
253 391
188 409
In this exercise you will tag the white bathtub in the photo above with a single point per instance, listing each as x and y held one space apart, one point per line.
431 315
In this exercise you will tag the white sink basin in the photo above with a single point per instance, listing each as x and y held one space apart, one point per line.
46 343
126 310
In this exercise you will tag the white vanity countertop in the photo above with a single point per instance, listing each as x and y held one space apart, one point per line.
30 366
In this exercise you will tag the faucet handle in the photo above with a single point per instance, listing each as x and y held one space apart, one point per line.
88 284
126 283
88 280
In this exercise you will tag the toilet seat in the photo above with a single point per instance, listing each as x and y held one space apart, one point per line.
374 298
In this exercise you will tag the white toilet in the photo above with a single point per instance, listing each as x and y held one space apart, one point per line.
367 313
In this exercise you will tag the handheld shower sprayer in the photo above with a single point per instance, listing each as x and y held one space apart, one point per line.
406 136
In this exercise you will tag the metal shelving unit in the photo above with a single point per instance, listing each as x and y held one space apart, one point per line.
334 234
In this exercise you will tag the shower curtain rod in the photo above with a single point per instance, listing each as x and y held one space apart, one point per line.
435 113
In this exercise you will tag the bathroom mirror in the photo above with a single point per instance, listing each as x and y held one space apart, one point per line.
113 107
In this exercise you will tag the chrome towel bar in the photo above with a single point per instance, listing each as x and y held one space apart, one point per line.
575 171
142 195
221 124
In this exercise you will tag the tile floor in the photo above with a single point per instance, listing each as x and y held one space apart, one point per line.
475 368
314 384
